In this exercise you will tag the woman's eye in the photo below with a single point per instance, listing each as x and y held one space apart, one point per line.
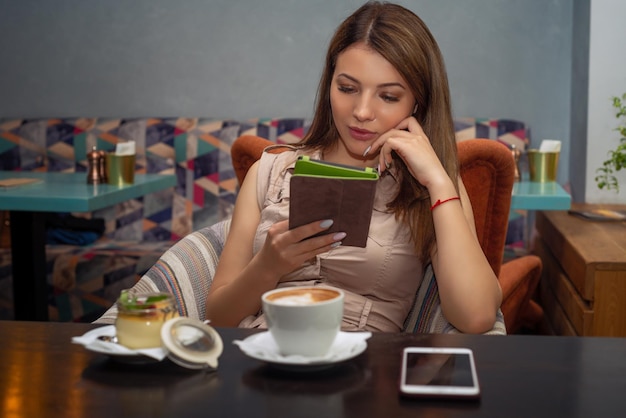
346 89
388 98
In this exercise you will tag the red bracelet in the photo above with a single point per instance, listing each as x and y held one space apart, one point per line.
441 202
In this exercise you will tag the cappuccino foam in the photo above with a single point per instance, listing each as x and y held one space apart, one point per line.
300 297
295 300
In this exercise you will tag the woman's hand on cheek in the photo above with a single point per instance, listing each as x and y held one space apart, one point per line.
411 144
285 250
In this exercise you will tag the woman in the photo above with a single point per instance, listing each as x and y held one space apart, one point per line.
383 102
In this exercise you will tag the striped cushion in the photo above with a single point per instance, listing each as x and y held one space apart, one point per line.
185 270
426 316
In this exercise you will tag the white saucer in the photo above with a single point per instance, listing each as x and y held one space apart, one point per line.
262 347
92 342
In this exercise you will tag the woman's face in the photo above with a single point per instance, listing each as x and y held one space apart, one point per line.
368 97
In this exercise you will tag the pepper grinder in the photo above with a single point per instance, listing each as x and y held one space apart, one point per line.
516 153
102 166
93 173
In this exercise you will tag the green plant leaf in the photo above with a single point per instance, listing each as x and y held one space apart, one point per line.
605 177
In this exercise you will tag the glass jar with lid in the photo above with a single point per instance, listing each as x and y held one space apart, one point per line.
140 318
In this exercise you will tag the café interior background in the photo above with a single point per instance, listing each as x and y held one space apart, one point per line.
552 64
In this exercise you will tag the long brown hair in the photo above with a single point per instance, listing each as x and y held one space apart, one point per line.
403 39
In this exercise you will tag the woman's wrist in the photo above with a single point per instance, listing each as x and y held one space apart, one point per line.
442 190
264 275
440 202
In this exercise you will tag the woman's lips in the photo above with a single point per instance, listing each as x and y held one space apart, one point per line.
362 134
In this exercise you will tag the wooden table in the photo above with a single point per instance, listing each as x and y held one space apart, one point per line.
56 192
583 283
42 374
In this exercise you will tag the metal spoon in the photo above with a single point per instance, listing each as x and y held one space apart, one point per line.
108 338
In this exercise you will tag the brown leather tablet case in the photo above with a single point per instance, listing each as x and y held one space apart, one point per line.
347 201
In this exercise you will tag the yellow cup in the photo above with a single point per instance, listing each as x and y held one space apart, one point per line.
120 169
543 166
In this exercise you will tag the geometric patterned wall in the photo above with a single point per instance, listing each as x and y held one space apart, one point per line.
196 150
507 131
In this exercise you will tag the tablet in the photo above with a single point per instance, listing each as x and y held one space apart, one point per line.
306 166
320 190
439 372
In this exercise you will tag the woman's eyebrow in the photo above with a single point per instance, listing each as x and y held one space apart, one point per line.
391 84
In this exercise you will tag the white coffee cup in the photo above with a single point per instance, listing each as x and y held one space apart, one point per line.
304 320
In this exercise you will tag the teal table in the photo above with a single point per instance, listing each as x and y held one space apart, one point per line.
55 192
530 195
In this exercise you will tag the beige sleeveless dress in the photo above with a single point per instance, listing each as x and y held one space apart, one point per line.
379 280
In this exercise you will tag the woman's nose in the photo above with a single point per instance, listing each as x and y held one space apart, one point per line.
363 110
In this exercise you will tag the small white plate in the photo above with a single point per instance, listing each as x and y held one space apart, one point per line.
262 347
190 343
91 341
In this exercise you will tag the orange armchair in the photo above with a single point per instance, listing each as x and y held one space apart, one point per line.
487 170
488 173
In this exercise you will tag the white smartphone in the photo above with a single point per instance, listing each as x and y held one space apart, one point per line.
439 372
